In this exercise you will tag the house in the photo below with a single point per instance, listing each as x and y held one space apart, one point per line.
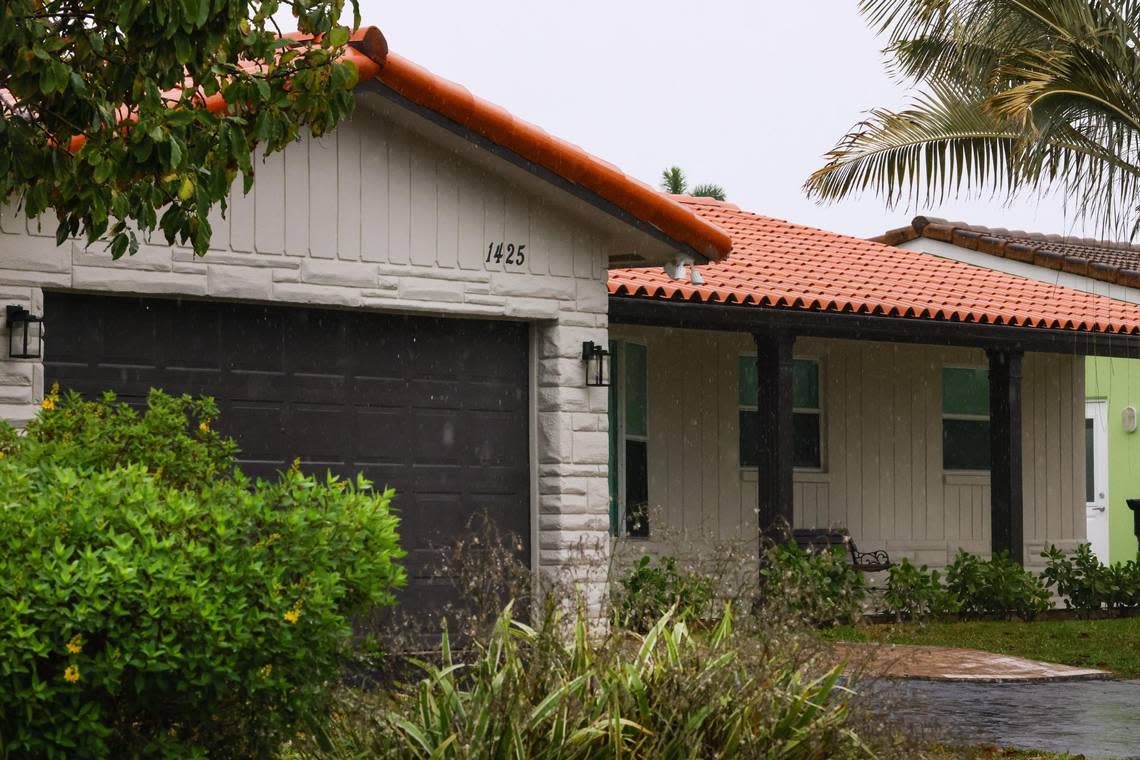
1112 384
406 297
820 380
422 296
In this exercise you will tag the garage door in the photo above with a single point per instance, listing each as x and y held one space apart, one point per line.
436 408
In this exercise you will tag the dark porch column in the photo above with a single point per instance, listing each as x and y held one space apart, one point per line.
774 373
1005 453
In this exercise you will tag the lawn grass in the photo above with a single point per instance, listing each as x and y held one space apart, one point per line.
1112 644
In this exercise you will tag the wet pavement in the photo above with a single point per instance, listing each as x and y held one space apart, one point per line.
1097 719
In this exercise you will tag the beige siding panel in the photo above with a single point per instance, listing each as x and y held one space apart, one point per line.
374 199
901 524
447 217
658 365
674 406
853 446
242 218
348 138
472 238
728 445
269 201
689 409
916 398
399 198
297 198
323 197
931 411
708 455
834 413
424 199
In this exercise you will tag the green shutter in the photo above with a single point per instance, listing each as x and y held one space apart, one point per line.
636 393
965 391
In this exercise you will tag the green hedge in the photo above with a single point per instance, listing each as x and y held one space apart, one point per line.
144 619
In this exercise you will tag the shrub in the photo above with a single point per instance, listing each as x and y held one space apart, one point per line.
1087 585
997 587
142 619
173 438
540 694
650 589
822 588
913 592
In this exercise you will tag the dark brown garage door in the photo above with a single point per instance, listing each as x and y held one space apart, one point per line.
435 408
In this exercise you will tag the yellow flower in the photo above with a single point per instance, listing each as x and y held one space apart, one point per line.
293 615
203 427
48 403
71 675
266 670
75 646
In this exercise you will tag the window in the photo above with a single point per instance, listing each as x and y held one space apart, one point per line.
629 441
965 418
807 414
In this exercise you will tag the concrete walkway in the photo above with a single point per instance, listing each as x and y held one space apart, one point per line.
930 663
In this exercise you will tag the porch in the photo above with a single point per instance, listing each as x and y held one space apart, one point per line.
883 438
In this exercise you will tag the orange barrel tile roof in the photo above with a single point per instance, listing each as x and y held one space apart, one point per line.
777 264
370 53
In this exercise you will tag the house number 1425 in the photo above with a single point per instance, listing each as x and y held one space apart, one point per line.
506 253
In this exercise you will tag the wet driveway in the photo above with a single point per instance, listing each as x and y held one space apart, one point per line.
1098 719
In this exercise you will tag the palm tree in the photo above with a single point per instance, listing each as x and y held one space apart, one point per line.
673 181
1017 97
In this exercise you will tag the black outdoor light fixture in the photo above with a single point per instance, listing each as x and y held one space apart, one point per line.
597 361
25 333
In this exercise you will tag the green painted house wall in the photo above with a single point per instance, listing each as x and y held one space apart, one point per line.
1118 381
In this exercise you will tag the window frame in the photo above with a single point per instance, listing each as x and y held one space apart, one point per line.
943 415
619 527
819 411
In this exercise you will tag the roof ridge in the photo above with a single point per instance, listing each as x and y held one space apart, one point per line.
1108 261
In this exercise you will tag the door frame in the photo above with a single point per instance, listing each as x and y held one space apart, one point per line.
1097 411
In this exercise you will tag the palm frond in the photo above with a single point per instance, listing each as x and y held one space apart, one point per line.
1024 96
708 190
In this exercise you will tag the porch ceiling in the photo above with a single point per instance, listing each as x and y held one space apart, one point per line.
818 282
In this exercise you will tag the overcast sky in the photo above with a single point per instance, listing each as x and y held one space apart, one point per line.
745 93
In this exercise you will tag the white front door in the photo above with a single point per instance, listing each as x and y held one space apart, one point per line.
1096 476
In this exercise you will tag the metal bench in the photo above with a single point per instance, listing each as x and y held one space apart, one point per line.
818 539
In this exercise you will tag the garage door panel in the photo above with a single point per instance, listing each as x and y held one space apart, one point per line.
257 428
253 339
379 392
436 437
381 436
434 408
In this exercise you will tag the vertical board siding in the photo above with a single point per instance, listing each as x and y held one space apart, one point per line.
882 429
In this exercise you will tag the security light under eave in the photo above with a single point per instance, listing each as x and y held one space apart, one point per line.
25 333
597 360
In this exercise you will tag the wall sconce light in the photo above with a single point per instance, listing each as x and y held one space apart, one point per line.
25 333
597 361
